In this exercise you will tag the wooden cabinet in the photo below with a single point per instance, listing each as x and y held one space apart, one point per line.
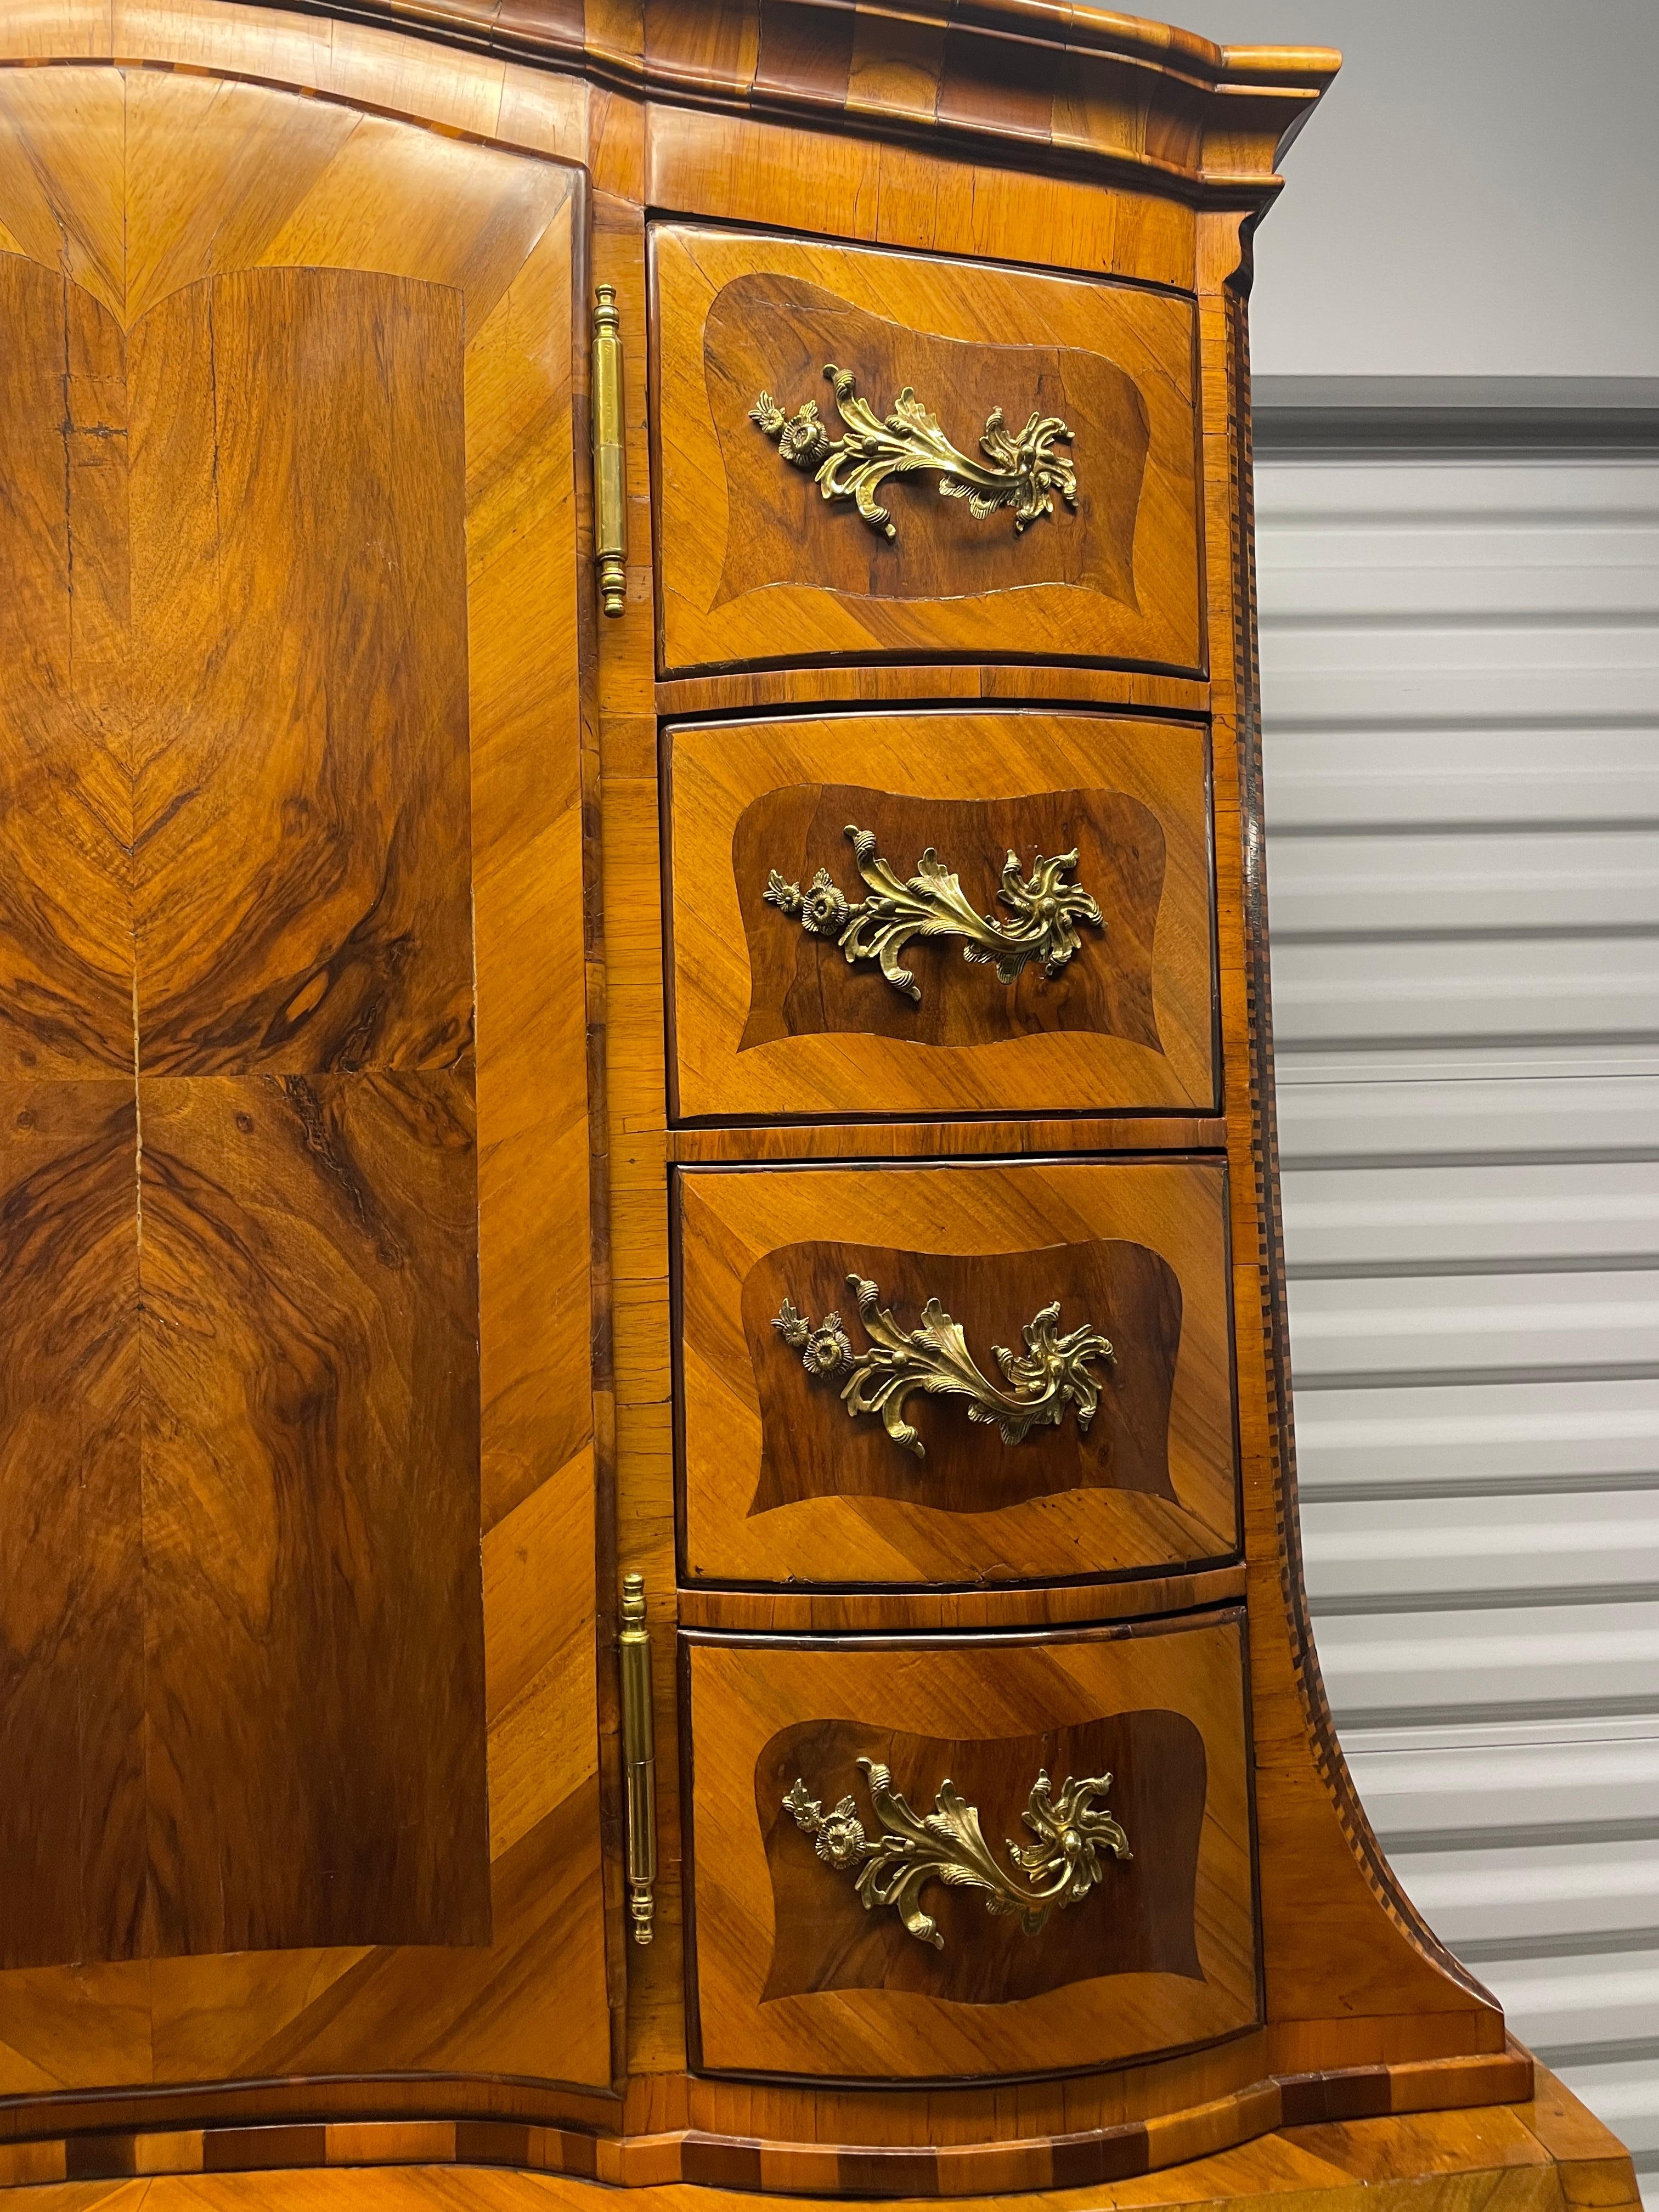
821 1443
488 1161
855 1912
1057 955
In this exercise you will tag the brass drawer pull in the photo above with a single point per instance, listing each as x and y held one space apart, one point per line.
1052 1373
1046 908
946 1846
639 1758
1024 472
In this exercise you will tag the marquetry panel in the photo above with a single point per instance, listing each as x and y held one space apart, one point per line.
297 1688
781 1484
758 567
770 1017
794 1972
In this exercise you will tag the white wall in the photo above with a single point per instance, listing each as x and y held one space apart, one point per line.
1478 194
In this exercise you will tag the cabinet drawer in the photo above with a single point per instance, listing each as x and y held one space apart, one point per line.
940 914
830 1935
757 565
892 1461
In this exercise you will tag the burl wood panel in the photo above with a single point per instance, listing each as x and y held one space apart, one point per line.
790 1974
756 566
299 1654
779 1484
769 1019
310 1394
1127 1292
1139 1922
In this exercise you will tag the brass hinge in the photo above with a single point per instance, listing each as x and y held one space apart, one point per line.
609 471
639 1757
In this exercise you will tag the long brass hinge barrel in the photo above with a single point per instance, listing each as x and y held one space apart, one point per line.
610 469
639 1757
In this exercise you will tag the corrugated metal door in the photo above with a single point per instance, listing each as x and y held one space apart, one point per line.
1461 705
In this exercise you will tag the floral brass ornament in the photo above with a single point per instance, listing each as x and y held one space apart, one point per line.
1072 1832
1051 1375
1022 473
1046 906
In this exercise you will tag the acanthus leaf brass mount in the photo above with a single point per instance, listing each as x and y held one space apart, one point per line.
609 459
948 1845
1052 1373
1046 907
1023 472
639 1758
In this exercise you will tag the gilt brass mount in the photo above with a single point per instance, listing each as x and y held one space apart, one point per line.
947 1845
1046 907
1052 1373
639 1758
609 466
1024 472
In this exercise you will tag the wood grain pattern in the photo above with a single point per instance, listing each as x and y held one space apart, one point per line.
930 683
829 1507
311 1513
810 1448
1531 2149
734 315
829 1994
801 985
1139 1921
300 765
65 895
298 693
72 1687
836 1613
767 1020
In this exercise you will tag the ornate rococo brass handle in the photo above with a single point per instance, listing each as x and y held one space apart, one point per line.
1046 907
1064 1864
1024 472
1052 1373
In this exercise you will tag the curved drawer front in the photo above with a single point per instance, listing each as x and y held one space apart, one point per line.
855 1910
800 515
898 1377
939 913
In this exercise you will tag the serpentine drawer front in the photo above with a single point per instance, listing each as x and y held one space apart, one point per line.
814 401
905 1375
831 1933
941 912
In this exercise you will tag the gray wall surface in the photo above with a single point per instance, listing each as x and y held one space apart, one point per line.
1478 194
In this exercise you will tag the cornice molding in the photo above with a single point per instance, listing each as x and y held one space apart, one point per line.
1039 82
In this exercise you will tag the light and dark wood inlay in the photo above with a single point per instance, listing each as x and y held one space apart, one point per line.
277 470
810 1448
1138 1920
802 985
774 333
757 567
780 1488
791 1975
767 1020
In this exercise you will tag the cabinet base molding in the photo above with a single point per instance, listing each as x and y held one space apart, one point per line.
1441 2090
1537 2151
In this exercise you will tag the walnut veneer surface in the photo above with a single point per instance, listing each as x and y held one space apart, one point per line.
410 1108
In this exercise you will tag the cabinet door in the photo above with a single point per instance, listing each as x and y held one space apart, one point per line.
295 1447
